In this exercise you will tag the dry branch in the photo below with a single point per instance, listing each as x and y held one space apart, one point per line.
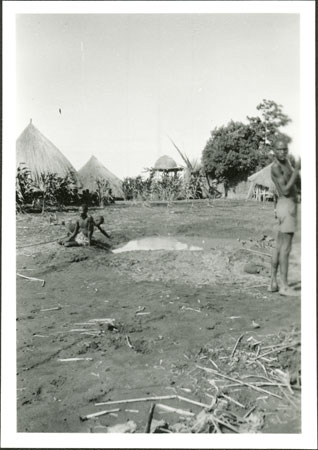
151 411
136 400
227 397
100 413
240 382
74 359
56 308
236 344
278 349
193 402
182 412
249 412
31 278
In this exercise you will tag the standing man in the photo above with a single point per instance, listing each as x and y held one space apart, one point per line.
284 178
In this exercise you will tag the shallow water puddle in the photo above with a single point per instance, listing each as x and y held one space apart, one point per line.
156 243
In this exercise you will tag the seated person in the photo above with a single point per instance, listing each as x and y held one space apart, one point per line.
80 233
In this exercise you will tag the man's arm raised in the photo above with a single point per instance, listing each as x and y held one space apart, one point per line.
283 187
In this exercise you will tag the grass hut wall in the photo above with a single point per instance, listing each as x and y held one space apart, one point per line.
40 155
261 184
94 170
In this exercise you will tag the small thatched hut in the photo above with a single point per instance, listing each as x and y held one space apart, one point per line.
166 164
262 186
94 170
40 155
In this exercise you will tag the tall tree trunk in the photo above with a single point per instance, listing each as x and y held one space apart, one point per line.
43 204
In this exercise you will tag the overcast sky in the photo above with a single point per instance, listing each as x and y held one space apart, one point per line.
125 82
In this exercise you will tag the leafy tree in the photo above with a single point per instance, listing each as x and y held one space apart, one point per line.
268 126
231 153
235 151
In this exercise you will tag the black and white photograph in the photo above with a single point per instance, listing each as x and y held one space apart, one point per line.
161 201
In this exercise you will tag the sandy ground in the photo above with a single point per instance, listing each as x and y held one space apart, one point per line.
176 318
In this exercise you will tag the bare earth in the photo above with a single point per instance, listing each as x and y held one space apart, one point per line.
177 316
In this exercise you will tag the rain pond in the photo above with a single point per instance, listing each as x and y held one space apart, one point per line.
176 243
157 243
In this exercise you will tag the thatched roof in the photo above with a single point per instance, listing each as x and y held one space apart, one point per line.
166 163
263 178
93 170
40 155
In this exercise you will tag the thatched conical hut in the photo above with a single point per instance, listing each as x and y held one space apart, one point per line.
40 155
94 170
261 184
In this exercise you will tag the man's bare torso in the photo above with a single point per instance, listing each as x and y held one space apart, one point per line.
86 225
285 172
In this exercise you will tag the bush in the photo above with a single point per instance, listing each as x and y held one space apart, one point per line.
24 188
50 189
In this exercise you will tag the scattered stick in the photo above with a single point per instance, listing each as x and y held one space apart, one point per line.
31 278
225 424
233 401
108 320
288 398
78 330
132 410
236 344
185 389
91 334
136 400
216 425
101 413
85 323
249 412
240 382
129 342
74 359
142 313
263 367
182 412
193 402
190 309
214 364
278 349
150 416
56 308
255 383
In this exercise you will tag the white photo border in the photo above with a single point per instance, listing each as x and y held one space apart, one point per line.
306 439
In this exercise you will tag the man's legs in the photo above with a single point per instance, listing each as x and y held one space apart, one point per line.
286 243
273 287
